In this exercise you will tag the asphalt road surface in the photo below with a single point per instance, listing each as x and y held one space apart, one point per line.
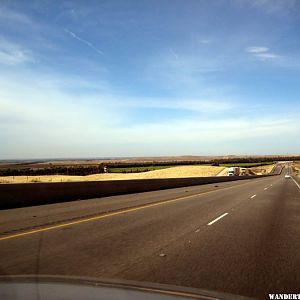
239 237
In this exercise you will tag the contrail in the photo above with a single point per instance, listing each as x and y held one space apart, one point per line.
83 41
173 53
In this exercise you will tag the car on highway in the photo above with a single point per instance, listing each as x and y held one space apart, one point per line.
287 176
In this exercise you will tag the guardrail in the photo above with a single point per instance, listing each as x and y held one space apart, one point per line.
30 194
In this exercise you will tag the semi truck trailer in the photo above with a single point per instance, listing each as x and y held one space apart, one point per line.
233 171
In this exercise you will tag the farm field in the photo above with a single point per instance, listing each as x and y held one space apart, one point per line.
136 169
262 170
170 172
296 168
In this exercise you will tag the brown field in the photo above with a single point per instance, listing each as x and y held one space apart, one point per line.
173 172
262 170
296 168
296 164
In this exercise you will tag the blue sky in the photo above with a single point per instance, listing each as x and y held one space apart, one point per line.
149 78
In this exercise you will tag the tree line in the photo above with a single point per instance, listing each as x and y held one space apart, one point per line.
55 170
215 162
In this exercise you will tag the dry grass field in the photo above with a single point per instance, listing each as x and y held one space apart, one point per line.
173 172
262 170
296 168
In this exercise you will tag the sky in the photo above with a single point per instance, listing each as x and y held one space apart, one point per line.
119 78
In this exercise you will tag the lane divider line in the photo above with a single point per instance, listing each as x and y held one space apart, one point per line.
296 182
102 216
217 219
253 196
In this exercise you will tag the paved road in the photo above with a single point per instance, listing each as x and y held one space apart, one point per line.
238 237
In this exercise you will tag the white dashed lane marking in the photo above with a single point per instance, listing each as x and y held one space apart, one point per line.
217 219
296 182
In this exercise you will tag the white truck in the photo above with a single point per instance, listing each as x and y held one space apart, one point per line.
233 171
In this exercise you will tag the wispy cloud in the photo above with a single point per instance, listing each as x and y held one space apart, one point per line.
211 106
12 17
257 49
220 135
13 54
34 107
262 53
266 55
275 6
184 75
205 41
89 44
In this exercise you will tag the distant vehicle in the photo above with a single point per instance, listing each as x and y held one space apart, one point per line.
233 171
243 171
287 176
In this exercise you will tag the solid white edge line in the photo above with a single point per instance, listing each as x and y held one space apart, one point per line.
296 182
217 219
253 196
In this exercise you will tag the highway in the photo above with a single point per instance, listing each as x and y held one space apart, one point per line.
240 237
